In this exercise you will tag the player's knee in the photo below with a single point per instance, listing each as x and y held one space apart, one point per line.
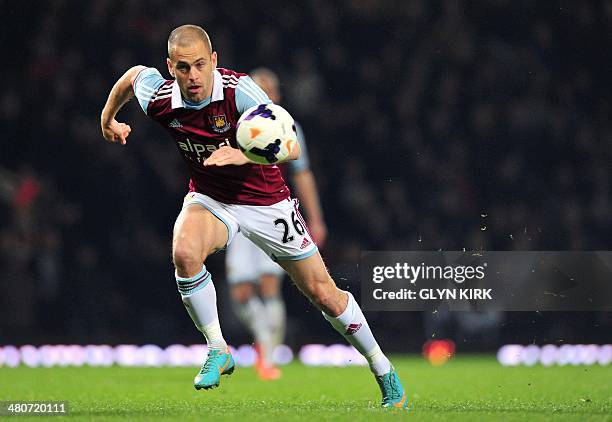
242 292
186 258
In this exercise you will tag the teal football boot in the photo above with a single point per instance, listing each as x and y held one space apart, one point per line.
393 394
218 362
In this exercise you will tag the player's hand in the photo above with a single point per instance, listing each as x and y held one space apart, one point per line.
116 132
226 156
318 231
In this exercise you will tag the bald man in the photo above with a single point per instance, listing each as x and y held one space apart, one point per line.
200 107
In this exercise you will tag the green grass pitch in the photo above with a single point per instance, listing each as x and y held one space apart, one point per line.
465 389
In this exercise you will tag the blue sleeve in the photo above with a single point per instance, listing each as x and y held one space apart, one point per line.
302 163
249 94
146 85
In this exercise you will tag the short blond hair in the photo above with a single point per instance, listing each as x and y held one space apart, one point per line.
186 35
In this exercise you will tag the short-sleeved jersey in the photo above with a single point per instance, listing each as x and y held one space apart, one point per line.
200 129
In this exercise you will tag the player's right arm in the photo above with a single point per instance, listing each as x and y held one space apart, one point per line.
120 94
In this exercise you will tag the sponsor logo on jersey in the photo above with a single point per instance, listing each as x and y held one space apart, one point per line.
220 123
352 329
200 150
175 123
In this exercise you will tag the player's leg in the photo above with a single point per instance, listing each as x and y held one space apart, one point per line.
270 291
339 308
252 312
242 267
280 231
198 233
274 308
249 308
245 264
344 314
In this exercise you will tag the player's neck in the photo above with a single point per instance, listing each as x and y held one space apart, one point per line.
197 104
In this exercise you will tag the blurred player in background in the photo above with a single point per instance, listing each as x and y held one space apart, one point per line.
200 109
254 278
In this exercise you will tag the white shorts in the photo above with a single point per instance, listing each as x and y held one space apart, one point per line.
278 229
245 262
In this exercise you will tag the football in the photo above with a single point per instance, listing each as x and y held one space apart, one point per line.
266 134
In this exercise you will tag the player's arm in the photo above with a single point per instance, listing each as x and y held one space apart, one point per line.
232 156
306 189
120 94
248 94
226 156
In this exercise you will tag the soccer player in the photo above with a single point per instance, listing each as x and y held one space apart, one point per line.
254 278
200 108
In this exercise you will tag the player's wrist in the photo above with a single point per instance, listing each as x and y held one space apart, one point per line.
106 118
239 159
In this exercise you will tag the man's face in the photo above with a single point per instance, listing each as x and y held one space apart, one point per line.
193 66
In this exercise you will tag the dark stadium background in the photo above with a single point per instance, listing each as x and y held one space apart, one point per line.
431 125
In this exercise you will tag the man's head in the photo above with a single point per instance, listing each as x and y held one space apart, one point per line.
268 81
192 61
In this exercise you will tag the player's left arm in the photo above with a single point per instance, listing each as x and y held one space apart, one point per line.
248 94
306 189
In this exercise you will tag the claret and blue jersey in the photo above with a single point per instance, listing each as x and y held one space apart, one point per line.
247 93
201 128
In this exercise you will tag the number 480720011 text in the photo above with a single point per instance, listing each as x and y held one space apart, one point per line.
33 408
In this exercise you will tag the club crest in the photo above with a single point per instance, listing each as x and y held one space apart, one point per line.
220 123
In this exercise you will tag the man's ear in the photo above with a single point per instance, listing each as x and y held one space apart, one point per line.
170 68
213 58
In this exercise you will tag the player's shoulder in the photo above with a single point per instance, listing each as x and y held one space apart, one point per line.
153 91
164 90
161 100
245 92
230 77
150 79
226 73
